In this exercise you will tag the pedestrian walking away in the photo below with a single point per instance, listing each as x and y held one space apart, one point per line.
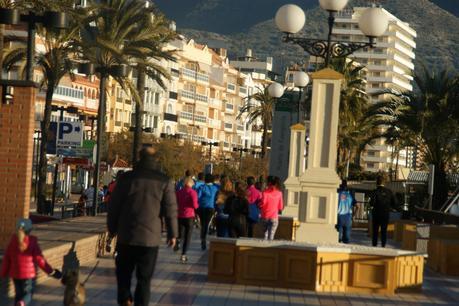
271 205
187 200
381 202
254 198
139 198
206 200
226 190
237 209
22 255
346 202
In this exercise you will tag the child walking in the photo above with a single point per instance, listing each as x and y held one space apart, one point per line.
22 254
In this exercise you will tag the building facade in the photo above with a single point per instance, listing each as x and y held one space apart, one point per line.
390 65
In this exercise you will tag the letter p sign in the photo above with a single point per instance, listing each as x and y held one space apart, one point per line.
70 134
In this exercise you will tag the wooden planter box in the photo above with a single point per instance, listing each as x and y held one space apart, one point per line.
399 227
338 268
443 249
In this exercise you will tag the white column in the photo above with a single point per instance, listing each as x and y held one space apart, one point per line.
317 209
295 169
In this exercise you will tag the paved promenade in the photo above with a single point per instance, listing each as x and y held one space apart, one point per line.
186 284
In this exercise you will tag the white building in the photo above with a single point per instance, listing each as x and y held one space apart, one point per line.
389 65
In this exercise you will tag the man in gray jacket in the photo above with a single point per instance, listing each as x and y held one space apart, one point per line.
140 198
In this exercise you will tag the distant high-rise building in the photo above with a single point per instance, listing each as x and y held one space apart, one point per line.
389 65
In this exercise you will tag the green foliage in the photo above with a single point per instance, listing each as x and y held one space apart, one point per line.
428 120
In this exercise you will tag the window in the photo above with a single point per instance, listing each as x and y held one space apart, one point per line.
168 130
169 108
157 96
371 165
155 122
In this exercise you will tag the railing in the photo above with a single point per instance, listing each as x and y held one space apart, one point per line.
189 116
191 95
192 74
69 94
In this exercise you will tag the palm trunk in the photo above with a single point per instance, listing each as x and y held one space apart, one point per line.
440 187
264 139
141 78
42 165
2 46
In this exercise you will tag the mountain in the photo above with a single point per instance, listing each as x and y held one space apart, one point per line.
241 24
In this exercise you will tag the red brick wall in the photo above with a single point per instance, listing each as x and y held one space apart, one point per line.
16 154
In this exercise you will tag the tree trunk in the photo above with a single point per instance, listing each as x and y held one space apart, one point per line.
141 78
2 46
42 165
440 187
264 139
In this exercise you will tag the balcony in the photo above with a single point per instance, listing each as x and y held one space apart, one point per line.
193 96
186 115
191 74
214 123
215 103
152 108
170 117
68 94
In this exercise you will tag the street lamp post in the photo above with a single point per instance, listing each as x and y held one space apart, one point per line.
319 182
57 20
104 72
240 150
290 19
210 144
300 80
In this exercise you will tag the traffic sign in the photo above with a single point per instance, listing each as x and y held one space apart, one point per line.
70 134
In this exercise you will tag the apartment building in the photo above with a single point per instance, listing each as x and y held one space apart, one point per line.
390 65
203 98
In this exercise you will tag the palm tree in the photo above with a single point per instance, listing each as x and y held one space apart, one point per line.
356 123
128 32
54 63
260 106
429 119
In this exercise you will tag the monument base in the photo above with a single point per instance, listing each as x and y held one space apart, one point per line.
316 233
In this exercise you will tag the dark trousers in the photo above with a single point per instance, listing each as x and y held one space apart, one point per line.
143 260
344 227
250 225
205 214
185 231
380 222
24 291
237 227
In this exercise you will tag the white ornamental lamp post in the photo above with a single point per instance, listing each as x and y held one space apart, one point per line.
300 80
314 192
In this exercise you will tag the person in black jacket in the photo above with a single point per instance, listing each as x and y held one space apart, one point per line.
237 209
381 202
140 197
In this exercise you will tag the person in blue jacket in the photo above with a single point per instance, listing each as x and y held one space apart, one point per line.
199 182
346 202
206 201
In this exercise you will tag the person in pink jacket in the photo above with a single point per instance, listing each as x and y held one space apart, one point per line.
270 206
22 255
187 200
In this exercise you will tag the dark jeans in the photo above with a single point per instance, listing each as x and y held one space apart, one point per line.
24 290
250 225
143 260
237 227
205 214
222 226
185 231
344 227
380 222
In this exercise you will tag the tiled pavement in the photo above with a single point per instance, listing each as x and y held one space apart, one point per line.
186 284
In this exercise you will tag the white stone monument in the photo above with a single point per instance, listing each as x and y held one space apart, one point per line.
312 195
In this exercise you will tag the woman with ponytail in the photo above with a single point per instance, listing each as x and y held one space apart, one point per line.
21 256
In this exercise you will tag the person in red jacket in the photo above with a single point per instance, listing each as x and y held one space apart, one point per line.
187 200
271 204
22 254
